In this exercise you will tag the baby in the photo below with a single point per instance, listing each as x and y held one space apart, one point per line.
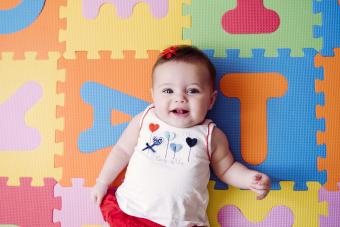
169 148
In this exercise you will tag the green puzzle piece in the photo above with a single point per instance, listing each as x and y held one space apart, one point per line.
295 31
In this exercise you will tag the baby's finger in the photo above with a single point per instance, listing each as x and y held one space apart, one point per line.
261 193
260 186
265 180
258 191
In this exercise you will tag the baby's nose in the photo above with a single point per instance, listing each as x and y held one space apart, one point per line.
180 98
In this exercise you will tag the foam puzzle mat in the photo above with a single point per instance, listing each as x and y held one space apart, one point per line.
74 72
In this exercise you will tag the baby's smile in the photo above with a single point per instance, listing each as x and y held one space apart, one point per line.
180 112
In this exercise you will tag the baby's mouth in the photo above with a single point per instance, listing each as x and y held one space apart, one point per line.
179 111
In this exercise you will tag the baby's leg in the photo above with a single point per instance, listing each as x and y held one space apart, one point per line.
106 224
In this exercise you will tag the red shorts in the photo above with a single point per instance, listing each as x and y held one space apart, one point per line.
113 215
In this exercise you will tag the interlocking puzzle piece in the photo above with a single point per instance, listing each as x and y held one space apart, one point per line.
109 32
103 100
28 206
159 8
25 14
330 112
250 17
129 76
329 31
304 204
44 74
35 37
333 199
77 207
14 133
207 16
291 120
279 216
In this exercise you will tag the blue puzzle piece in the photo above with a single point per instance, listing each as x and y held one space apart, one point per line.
21 16
103 100
330 29
291 125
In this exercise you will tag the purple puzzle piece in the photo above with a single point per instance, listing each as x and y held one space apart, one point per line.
14 134
77 207
159 8
333 199
231 216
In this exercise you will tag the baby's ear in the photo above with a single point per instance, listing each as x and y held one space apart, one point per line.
213 97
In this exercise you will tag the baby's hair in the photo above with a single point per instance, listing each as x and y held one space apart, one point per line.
188 54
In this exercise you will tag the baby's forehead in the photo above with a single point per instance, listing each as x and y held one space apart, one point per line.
193 68
179 72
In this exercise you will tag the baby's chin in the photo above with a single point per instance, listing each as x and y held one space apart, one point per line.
179 122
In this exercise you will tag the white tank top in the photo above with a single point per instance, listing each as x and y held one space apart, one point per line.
167 176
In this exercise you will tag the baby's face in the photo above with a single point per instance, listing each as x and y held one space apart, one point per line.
182 93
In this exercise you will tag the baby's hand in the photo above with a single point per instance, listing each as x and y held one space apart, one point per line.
260 184
98 192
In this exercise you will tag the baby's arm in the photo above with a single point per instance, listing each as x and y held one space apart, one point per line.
232 172
117 159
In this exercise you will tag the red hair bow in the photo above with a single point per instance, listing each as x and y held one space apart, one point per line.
169 52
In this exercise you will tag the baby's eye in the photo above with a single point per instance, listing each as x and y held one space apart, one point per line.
167 91
193 91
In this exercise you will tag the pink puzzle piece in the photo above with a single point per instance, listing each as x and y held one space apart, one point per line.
77 207
250 17
231 216
333 200
27 206
14 134
159 8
